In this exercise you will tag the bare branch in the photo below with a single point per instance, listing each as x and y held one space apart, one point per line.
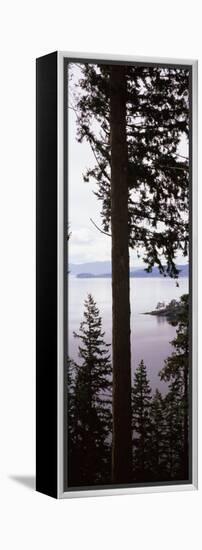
101 230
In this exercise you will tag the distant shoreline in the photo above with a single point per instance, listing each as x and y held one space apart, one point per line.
107 276
138 274
102 270
162 313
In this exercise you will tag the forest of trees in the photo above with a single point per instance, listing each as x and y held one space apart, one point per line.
159 422
134 117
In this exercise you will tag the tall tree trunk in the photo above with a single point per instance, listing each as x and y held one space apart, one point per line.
121 356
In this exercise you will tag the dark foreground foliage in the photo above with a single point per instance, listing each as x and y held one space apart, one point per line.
89 409
160 424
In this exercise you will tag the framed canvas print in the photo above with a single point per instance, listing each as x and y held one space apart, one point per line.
116 383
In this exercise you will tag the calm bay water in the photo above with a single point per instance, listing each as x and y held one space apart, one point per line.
150 335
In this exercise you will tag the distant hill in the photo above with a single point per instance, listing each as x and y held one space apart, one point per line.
102 270
95 268
139 272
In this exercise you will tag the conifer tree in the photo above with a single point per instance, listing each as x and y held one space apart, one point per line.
159 435
176 372
92 402
141 423
122 436
156 119
174 430
71 415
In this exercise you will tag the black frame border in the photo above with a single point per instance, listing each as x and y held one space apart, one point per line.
46 274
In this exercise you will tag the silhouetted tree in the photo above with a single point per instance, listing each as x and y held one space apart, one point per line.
158 441
91 419
174 430
141 423
160 305
155 113
122 436
72 421
176 372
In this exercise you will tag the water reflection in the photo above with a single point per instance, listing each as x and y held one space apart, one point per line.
161 319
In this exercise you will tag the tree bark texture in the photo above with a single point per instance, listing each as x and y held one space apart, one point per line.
121 354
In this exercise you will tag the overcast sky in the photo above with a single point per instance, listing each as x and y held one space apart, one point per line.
87 244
